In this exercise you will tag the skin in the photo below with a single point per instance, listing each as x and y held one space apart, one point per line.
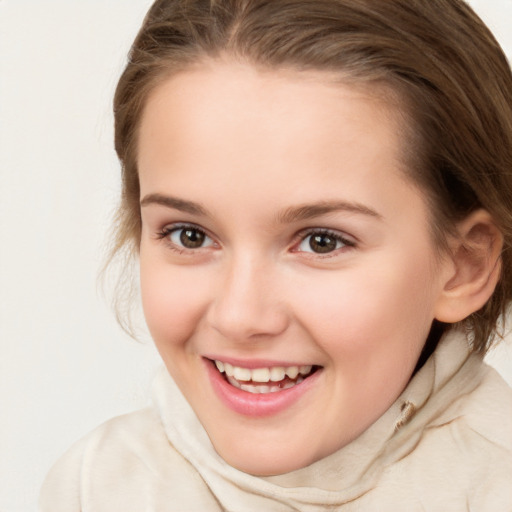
249 148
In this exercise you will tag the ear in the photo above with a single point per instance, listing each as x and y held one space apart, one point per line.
475 262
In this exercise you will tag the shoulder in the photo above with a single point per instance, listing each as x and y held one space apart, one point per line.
122 434
119 466
464 453
477 425
486 411
62 487
484 434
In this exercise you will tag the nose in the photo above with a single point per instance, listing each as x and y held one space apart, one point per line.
247 304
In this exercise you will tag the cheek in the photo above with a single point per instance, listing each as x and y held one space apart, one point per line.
372 327
173 301
358 315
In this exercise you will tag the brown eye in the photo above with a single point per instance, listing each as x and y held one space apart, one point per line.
189 237
192 238
322 243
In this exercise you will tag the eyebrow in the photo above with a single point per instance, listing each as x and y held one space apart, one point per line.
173 202
288 215
310 211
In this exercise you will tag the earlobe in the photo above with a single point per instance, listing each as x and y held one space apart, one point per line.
476 260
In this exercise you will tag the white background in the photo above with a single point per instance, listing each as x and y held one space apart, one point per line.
65 365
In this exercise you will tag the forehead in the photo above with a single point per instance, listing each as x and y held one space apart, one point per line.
285 106
236 127
222 78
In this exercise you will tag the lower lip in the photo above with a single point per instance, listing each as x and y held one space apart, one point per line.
257 405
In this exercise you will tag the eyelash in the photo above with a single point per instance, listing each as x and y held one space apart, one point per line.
345 242
166 232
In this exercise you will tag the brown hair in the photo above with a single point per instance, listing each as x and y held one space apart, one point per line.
443 62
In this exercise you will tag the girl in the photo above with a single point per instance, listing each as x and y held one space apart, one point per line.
319 196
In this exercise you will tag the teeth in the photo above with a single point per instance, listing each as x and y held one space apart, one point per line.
305 370
234 382
258 390
292 371
242 373
260 375
228 369
238 376
277 373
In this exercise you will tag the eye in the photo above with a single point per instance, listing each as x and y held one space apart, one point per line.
187 237
323 242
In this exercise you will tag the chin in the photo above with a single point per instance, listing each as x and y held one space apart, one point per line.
262 468
269 462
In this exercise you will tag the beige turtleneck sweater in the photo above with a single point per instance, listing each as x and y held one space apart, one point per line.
445 445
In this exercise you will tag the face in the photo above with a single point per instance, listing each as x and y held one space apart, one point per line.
288 275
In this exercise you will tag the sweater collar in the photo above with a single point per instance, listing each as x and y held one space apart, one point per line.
346 474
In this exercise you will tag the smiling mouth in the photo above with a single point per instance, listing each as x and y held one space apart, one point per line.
264 380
